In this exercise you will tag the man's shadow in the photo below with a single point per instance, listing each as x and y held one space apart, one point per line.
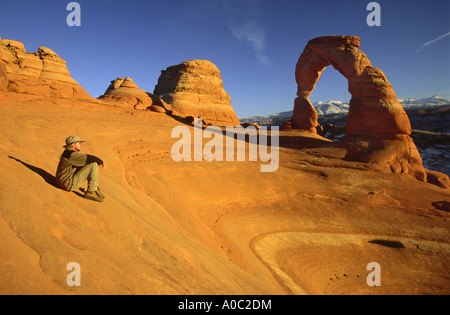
49 178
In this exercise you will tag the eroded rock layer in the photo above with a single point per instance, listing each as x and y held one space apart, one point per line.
3 78
125 93
42 73
195 88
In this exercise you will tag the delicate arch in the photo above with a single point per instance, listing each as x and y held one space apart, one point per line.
374 109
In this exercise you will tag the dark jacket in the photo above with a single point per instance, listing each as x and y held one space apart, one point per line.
69 163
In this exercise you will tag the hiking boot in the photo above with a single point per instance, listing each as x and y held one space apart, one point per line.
92 195
99 193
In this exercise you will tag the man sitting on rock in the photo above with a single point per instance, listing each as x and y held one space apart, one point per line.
75 168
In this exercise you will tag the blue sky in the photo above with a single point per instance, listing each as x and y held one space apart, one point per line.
254 43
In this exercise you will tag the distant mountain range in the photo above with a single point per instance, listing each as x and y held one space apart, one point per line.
341 108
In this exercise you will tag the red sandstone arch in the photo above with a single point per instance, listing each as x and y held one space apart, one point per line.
374 109
378 128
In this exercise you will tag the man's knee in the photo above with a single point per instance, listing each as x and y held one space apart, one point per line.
93 166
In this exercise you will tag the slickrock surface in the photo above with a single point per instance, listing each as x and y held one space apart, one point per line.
195 88
42 73
168 227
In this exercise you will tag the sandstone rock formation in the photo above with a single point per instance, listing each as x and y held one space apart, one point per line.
287 125
438 179
159 106
377 128
3 78
195 88
374 109
43 73
125 93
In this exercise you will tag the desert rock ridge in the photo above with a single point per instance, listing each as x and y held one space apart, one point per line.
171 227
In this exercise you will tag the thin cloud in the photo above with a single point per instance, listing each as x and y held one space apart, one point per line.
433 41
250 32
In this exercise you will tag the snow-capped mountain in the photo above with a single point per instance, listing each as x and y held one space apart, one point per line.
422 102
323 108
338 108
331 107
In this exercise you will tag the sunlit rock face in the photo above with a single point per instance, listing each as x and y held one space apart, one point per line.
42 73
195 88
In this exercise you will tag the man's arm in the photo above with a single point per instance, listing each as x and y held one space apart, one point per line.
93 159
79 160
